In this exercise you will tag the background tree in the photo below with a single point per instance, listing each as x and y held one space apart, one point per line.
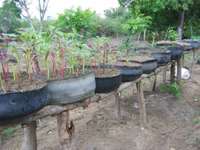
10 16
164 13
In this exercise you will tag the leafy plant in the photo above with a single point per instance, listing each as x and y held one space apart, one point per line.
171 34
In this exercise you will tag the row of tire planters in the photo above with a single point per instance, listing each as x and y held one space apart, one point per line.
130 71
15 105
176 52
149 64
162 58
194 44
72 90
107 78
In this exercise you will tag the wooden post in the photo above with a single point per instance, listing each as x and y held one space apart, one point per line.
165 75
179 72
193 60
142 105
117 105
172 72
30 138
183 59
65 130
155 82
1 139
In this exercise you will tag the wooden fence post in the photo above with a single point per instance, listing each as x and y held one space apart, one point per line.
142 105
30 137
65 130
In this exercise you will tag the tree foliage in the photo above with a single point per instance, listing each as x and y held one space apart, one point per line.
166 14
9 16
83 21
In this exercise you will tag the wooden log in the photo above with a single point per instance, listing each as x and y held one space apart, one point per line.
117 105
179 72
172 72
142 105
66 130
30 138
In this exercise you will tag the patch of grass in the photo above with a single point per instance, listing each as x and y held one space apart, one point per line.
174 89
9 132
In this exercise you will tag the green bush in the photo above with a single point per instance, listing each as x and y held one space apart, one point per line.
84 22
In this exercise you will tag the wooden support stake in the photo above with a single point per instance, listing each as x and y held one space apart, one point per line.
165 75
1 140
155 82
179 68
30 138
117 104
183 59
193 60
142 105
65 130
172 72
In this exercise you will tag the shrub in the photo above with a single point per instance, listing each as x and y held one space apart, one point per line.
83 21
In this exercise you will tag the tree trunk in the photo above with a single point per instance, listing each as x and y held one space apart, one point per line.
181 25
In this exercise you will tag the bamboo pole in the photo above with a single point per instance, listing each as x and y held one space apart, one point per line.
30 138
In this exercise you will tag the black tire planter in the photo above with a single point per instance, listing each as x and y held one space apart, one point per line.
107 84
148 66
176 52
71 90
130 73
162 57
19 104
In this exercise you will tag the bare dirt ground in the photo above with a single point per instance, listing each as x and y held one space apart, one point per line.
173 124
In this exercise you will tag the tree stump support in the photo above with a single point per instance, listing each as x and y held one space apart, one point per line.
179 70
66 130
30 137
117 104
142 105
172 72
